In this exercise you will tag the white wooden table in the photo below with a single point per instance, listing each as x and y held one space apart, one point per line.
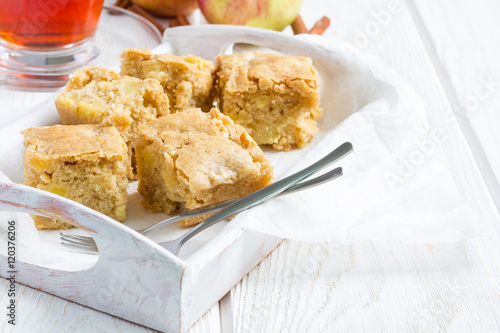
448 50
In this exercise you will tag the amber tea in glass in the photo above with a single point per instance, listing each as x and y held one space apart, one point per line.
46 38
48 24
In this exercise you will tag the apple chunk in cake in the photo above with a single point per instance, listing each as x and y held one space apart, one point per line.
84 163
189 159
274 97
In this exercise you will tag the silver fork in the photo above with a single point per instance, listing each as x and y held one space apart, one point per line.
232 207
88 243
326 177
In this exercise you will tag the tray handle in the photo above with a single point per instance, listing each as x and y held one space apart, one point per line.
130 266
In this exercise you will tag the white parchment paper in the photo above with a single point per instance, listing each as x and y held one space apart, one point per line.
399 184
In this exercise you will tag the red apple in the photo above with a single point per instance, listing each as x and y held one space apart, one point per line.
267 14
168 7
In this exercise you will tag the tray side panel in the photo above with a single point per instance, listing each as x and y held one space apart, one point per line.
217 267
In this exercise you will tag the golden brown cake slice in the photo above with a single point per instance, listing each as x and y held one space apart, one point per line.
101 96
84 163
274 97
187 80
189 159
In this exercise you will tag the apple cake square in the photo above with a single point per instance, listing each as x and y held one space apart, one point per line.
83 163
190 159
275 98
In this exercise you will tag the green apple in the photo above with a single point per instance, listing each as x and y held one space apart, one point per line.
267 14
167 7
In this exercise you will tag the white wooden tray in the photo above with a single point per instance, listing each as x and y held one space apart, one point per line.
136 279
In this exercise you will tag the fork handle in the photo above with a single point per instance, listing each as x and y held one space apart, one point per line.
328 176
269 191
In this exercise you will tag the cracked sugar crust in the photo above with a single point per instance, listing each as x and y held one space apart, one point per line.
100 96
84 142
274 97
190 159
83 163
253 67
187 80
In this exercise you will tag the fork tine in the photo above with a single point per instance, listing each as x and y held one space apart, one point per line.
80 247
83 245
77 243
77 238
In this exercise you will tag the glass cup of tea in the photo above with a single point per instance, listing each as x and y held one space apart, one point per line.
43 41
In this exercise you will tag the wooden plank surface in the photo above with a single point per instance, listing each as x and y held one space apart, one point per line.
466 41
390 287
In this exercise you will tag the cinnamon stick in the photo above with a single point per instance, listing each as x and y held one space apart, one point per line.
298 26
320 26
122 3
174 23
182 20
